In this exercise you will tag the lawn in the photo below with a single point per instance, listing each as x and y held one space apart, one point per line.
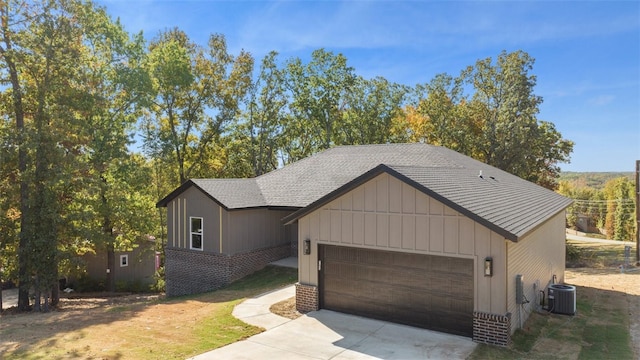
146 329
607 301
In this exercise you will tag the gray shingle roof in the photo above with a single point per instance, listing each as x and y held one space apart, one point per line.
506 202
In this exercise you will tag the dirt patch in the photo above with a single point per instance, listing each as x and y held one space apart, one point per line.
136 327
286 308
624 284
77 312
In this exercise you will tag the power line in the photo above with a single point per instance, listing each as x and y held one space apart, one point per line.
604 201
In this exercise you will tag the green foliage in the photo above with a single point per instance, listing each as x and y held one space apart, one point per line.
196 94
573 253
599 330
79 87
370 107
133 286
594 180
611 208
318 90
492 123
159 285
258 131
87 284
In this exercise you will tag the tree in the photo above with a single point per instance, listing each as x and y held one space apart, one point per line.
496 123
197 94
317 92
52 54
42 43
370 107
117 87
14 22
512 139
252 146
9 203
620 224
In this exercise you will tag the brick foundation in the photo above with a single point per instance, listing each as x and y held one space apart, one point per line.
306 298
193 272
492 329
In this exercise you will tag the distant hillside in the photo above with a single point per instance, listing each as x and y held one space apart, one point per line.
593 179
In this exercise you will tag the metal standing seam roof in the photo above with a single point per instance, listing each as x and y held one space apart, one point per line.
505 203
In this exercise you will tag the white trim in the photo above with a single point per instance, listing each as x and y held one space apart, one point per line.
126 260
199 232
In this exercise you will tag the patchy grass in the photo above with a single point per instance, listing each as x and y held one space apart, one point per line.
595 255
606 300
599 330
175 328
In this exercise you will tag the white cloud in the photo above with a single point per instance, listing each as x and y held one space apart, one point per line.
602 100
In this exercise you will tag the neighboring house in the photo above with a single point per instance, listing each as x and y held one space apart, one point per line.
400 232
132 268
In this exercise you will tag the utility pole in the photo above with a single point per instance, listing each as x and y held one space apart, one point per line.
637 212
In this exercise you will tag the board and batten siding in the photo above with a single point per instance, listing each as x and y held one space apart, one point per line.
193 203
240 230
387 214
537 257
251 229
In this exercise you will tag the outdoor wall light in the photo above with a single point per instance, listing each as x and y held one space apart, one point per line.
306 248
488 266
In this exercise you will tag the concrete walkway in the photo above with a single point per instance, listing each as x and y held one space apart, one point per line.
599 241
327 335
290 262
255 311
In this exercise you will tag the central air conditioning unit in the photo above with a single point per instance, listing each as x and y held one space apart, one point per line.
562 299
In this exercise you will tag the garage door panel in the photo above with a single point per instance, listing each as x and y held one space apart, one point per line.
428 291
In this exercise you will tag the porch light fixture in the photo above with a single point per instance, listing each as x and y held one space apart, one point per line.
306 248
488 266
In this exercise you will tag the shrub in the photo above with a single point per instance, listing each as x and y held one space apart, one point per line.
159 285
574 254
87 284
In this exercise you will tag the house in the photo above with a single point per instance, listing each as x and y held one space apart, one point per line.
134 268
410 233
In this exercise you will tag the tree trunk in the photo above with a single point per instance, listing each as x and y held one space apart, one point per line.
111 262
36 300
0 291
18 111
55 290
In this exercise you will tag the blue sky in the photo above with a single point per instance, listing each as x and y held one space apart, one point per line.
587 52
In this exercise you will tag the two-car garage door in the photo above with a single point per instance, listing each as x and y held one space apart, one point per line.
433 292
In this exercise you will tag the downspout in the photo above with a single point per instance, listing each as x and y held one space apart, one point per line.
220 212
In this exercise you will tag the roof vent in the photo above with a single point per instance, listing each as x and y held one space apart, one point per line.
480 175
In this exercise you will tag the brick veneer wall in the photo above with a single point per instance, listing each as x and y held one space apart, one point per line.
244 264
306 298
193 272
492 329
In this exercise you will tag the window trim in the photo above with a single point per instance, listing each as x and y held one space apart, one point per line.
124 257
200 233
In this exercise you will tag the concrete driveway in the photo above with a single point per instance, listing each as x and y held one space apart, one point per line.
327 334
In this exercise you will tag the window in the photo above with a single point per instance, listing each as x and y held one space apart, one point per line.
196 233
124 260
